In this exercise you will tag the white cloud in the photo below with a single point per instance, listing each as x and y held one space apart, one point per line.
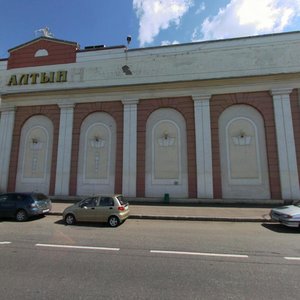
166 43
248 17
155 15
201 8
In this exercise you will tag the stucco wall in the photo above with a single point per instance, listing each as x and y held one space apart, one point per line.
23 114
263 102
252 56
186 107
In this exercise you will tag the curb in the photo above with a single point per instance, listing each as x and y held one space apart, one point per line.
189 218
198 218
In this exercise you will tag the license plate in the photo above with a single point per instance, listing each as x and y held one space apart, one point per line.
45 210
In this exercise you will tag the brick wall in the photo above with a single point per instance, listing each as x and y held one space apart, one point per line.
22 115
58 53
185 106
296 123
263 102
81 111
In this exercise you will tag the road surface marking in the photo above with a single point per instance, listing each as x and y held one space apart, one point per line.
5 243
292 258
77 247
199 254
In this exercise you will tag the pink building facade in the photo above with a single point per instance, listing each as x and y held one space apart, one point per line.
209 120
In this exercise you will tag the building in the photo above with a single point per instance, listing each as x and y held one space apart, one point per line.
212 120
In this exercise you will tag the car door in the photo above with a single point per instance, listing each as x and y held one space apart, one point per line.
104 208
86 209
7 205
3 198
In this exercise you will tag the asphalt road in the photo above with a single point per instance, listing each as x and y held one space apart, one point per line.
143 259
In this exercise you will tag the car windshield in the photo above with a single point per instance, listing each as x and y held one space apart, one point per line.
122 200
39 196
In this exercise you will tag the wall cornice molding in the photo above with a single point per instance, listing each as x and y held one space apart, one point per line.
164 90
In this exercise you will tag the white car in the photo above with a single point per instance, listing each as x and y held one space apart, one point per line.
288 215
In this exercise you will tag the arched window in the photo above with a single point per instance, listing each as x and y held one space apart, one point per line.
97 155
41 52
35 155
166 154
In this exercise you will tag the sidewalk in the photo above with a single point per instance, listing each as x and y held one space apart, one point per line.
200 212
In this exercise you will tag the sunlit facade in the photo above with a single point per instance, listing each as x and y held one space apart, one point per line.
208 120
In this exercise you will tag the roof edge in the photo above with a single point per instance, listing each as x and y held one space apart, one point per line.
101 49
42 38
202 42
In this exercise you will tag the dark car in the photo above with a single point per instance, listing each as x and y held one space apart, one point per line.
21 206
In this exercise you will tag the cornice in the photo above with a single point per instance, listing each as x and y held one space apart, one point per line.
193 89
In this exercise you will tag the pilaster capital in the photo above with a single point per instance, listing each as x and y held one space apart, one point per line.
130 101
281 91
7 108
66 104
201 97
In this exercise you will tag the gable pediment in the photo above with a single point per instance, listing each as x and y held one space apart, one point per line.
42 51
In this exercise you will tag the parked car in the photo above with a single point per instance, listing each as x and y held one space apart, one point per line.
288 215
111 209
21 206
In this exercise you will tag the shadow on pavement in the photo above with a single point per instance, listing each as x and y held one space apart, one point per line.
281 228
31 219
84 224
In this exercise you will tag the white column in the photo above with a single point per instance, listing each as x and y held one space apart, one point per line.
6 134
286 144
63 167
203 146
129 147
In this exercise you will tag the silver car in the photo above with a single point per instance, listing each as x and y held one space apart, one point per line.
288 215
111 209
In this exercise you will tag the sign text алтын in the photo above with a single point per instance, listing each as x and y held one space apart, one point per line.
34 78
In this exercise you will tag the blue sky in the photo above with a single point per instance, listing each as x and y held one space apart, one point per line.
148 22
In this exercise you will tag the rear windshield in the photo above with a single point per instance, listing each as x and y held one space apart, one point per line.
39 196
122 200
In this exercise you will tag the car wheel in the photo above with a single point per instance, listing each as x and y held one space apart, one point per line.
113 221
21 215
70 219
